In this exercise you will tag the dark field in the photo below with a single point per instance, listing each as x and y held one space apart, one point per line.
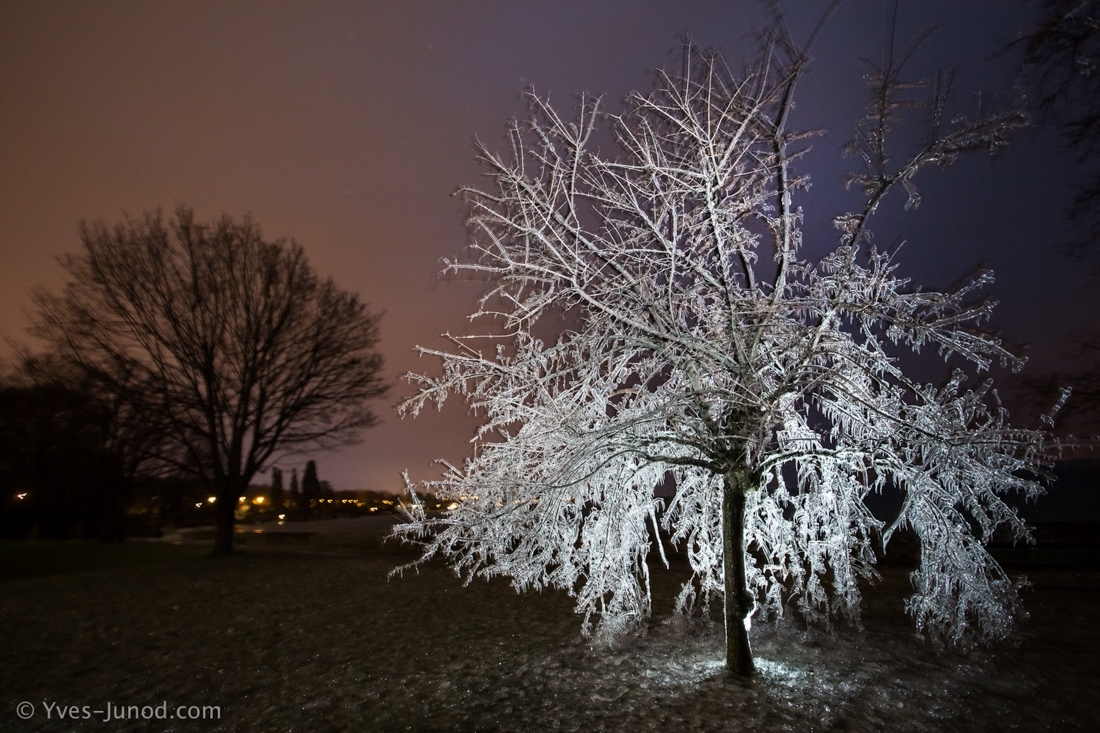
299 637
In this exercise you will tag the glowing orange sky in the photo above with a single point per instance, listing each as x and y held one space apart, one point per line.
347 126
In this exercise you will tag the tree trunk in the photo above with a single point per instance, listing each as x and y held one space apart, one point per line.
738 599
225 509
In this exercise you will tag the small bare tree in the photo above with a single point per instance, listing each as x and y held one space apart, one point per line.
701 344
233 343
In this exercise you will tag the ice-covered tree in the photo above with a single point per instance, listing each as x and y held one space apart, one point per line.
697 342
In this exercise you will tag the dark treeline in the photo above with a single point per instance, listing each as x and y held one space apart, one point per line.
71 451
72 466
60 474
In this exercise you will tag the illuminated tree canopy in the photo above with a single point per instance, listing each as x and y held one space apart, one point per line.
703 346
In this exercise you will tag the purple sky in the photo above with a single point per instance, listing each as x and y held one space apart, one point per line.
347 126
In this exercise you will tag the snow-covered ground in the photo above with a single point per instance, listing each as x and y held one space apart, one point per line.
291 641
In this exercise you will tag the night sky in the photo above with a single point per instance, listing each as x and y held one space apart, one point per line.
347 126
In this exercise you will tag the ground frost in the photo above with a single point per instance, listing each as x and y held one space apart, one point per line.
340 648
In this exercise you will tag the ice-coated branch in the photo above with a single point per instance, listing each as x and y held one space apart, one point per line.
705 350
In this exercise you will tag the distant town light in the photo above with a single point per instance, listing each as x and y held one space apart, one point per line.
258 500
211 499
21 496
282 517
243 499
198 505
